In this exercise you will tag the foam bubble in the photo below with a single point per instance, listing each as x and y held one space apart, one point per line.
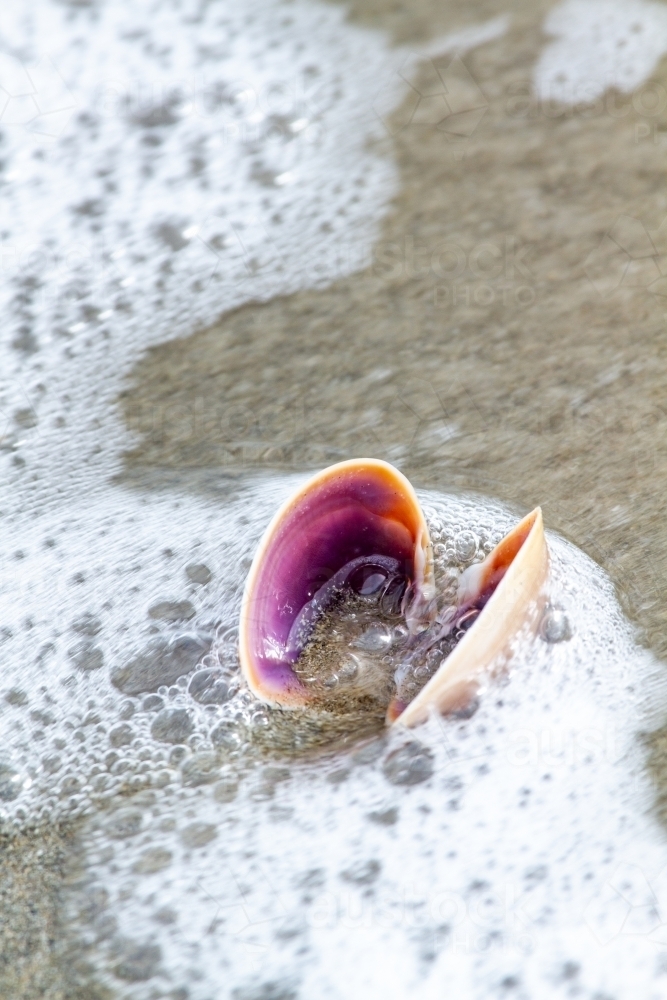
600 44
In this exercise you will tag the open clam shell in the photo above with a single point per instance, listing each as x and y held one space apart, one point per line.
504 589
357 527
358 524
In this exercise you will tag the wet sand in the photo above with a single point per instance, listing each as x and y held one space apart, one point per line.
496 340
38 958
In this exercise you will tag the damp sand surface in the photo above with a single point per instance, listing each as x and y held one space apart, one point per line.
40 870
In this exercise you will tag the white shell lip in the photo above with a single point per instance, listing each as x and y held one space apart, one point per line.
512 604
293 695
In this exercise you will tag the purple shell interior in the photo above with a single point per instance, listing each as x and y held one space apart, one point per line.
339 521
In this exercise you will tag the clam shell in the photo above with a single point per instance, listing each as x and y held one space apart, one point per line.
355 509
513 574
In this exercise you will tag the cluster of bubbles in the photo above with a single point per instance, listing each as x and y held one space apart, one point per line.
112 745
246 842
189 787
177 711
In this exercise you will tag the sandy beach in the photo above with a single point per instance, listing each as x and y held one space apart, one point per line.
504 336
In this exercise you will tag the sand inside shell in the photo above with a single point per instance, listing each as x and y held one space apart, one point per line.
358 657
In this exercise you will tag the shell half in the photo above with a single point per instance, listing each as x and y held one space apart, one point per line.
358 520
505 588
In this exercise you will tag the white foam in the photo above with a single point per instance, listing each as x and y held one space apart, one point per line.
600 44
529 856
260 183
466 38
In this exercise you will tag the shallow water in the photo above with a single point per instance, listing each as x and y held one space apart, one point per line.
283 165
